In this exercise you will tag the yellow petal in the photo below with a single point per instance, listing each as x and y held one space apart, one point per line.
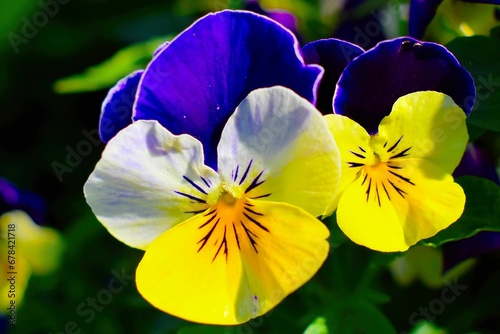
429 123
386 213
234 262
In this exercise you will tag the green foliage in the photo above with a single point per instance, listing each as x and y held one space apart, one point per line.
479 55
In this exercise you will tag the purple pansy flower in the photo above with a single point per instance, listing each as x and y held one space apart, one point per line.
194 83
370 84
422 12
475 162
13 198
284 17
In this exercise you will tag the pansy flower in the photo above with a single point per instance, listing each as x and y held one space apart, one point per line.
218 178
398 147
30 249
423 11
227 245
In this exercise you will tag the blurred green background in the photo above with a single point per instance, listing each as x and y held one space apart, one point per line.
43 120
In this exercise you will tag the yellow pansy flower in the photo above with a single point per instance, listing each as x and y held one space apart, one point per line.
396 186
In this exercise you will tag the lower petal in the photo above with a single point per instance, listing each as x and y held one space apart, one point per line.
219 269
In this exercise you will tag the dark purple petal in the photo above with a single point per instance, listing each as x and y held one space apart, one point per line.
333 55
12 198
195 84
477 245
476 162
160 48
116 111
372 82
285 18
421 14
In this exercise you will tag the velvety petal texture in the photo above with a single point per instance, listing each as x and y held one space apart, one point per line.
195 84
372 82
333 55
147 181
402 190
116 111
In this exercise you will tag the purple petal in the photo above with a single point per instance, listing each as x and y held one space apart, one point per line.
116 111
285 18
195 84
476 162
421 14
12 198
333 55
372 82
477 245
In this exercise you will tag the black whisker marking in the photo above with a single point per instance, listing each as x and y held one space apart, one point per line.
395 145
224 242
208 214
400 191
206 181
358 155
236 173
368 190
236 235
243 178
261 196
376 192
386 192
355 164
402 177
254 212
255 183
195 212
208 221
206 237
200 189
252 241
401 154
362 150
395 167
364 180
194 198
255 222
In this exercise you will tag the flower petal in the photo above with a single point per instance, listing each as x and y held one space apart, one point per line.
277 146
13 198
247 272
421 14
389 222
393 69
476 162
147 181
431 125
333 55
195 84
116 111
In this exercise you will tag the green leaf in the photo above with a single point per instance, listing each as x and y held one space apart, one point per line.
479 55
107 73
481 213
371 320
318 326
426 327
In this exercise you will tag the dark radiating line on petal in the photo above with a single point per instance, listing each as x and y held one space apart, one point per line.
358 155
200 189
194 198
400 191
395 145
385 144
395 167
355 164
236 173
376 192
255 183
261 196
248 204
208 221
254 212
236 236
255 222
386 192
224 242
364 180
402 177
206 181
401 154
243 178
368 190
362 150
252 241
206 237
208 214
195 212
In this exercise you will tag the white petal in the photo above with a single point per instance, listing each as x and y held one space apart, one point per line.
147 181
278 133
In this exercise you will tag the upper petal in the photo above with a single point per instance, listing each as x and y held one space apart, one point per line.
195 84
116 110
147 181
395 68
421 14
333 55
277 147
